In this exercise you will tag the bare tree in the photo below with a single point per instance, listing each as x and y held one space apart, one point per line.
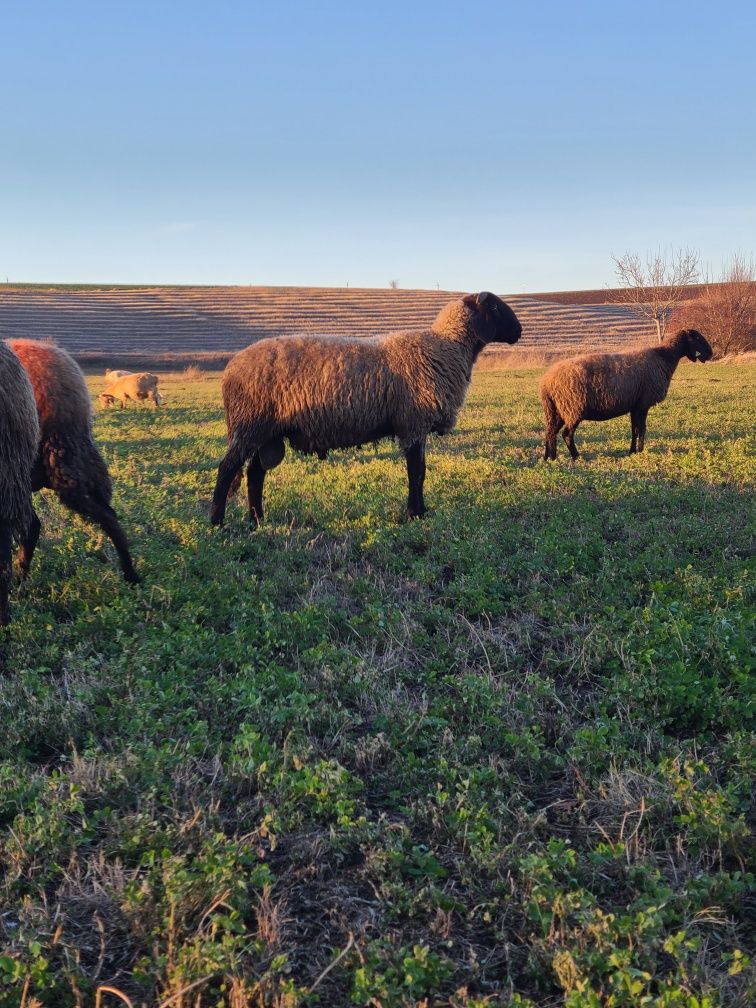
394 284
725 310
653 288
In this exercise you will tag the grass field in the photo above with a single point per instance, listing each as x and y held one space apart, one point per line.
503 756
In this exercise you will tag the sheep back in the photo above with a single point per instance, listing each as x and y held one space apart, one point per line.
327 392
19 439
68 459
140 385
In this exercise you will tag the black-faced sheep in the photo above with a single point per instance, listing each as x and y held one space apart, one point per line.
139 386
68 461
322 393
605 386
19 439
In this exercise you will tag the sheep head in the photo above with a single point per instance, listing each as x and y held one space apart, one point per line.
491 319
693 345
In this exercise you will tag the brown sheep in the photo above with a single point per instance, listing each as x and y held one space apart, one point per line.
327 392
141 385
605 386
19 438
68 461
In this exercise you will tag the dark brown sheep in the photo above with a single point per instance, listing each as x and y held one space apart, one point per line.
605 386
68 461
327 392
19 438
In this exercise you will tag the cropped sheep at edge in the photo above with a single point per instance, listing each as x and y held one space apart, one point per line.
326 392
68 460
605 386
19 438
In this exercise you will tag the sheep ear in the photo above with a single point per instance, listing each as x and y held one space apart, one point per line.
475 301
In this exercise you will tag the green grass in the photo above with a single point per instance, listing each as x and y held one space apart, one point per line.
503 756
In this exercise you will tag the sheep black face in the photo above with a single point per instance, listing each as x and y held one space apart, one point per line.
493 321
697 348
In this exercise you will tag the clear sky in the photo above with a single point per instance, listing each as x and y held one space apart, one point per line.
509 146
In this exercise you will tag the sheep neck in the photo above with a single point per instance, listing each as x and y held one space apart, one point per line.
468 348
670 357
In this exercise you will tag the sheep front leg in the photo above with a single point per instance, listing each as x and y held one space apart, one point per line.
6 570
29 544
638 421
415 456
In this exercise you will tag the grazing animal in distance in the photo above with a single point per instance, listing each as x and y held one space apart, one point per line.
112 375
67 459
19 441
320 393
134 387
603 386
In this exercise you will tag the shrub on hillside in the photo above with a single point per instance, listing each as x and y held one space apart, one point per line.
725 312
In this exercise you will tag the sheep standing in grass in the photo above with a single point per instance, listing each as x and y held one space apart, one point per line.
139 386
327 392
19 438
113 375
605 386
67 460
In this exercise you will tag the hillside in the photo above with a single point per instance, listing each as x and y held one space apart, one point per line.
108 323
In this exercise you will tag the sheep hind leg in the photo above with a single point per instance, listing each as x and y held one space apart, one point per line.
568 434
103 515
554 424
6 570
268 457
229 467
28 545
553 428
415 456
235 484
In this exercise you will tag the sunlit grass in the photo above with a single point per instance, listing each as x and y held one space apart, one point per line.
506 752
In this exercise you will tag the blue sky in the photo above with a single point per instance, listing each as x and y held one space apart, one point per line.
482 145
